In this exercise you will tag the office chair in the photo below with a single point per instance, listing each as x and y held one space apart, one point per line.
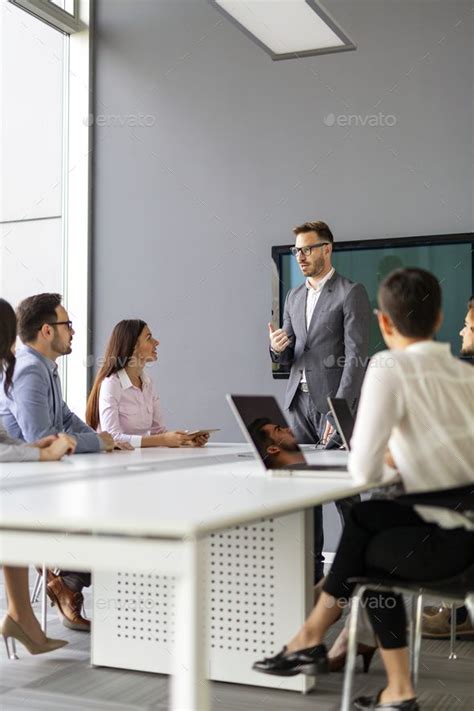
455 590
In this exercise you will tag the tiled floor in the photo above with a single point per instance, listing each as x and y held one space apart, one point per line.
64 681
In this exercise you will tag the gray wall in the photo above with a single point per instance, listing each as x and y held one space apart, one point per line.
231 150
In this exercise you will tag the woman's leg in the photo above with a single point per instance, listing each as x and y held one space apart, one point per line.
365 636
397 667
364 521
323 615
415 553
19 606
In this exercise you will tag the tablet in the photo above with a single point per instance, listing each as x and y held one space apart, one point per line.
198 433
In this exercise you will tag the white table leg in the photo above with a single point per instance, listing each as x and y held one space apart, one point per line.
189 685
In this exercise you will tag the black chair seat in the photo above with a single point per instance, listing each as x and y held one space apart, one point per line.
458 498
457 586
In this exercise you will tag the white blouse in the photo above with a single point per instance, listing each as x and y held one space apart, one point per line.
419 402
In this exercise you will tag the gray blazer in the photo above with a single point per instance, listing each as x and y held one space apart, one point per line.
36 407
334 349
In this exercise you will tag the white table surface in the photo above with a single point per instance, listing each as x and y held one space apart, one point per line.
149 509
119 458
172 493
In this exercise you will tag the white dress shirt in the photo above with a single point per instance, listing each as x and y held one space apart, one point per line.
312 297
419 402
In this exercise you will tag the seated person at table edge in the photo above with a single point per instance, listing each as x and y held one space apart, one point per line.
467 332
20 624
437 620
36 409
415 422
123 400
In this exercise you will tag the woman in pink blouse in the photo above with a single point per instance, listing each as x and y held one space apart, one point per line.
123 400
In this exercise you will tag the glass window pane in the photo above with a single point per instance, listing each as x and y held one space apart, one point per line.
67 5
30 261
31 86
31 145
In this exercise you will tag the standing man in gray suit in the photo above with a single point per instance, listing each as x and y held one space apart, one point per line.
325 338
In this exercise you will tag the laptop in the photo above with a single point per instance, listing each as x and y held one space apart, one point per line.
266 429
343 418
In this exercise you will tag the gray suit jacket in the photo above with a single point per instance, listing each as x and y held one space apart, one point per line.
36 407
334 349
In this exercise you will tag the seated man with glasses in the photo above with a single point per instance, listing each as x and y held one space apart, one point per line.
35 409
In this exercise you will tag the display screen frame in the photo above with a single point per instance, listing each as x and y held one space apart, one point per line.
279 251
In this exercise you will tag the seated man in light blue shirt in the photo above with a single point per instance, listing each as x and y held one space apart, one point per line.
35 409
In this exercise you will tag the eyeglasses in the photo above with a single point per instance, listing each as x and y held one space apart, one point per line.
61 323
306 250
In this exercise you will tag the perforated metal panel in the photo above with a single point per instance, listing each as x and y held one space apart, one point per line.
242 588
145 607
258 589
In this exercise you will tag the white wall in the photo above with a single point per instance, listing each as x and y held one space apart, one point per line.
208 153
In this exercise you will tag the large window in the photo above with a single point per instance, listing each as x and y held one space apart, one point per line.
44 169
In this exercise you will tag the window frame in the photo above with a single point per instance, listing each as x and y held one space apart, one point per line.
53 14
76 185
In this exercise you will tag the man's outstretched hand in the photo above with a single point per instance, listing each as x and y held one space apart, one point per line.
279 339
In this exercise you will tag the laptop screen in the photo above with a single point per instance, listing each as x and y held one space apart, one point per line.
265 427
343 417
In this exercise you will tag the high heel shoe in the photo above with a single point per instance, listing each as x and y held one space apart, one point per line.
373 703
363 650
12 632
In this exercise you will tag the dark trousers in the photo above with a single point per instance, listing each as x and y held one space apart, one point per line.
75 581
387 539
308 427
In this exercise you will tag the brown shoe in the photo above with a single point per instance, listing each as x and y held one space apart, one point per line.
69 604
439 626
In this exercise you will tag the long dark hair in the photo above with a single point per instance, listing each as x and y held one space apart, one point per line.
119 350
7 339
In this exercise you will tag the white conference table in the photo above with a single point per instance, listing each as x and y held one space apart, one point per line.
149 513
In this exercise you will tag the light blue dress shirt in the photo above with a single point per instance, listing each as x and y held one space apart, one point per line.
36 407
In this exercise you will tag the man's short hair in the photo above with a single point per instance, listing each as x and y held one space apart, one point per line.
321 229
258 434
34 312
470 303
412 299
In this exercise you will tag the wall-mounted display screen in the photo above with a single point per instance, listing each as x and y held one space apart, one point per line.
449 257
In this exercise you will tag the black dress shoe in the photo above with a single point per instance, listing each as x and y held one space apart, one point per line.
371 703
310 661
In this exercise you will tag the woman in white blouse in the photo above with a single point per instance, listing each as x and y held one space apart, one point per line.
123 400
20 623
415 423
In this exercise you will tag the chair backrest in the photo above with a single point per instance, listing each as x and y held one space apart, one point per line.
459 498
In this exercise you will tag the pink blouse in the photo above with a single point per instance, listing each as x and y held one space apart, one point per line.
127 412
